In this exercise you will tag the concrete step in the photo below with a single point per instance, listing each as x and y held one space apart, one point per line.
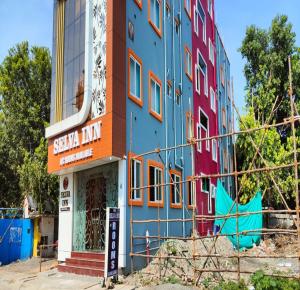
92 263
88 255
86 271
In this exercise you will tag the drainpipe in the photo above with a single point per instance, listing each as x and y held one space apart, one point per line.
174 84
166 114
182 116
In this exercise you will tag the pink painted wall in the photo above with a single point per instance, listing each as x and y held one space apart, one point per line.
204 163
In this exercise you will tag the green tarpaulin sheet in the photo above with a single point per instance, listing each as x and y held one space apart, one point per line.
225 205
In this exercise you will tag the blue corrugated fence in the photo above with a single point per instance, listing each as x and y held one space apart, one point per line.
16 238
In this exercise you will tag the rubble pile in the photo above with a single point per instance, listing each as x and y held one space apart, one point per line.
174 263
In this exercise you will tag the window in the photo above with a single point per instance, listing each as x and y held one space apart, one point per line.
175 189
135 177
210 7
214 149
212 100
223 117
168 9
177 23
189 126
155 179
211 52
203 68
197 75
199 13
169 89
139 3
225 159
70 57
155 15
178 97
205 185
191 193
199 143
188 7
204 126
214 191
211 193
188 63
135 78
222 75
155 93
228 90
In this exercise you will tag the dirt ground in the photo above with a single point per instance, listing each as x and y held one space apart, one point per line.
176 274
26 275
182 271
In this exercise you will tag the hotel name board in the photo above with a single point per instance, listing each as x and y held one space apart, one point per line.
76 146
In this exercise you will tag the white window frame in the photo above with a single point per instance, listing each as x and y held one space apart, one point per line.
133 193
196 20
214 192
210 8
197 79
211 52
176 193
197 15
207 146
191 199
188 7
199 143
133 78
188 62
214 150
204 191
211 192
199 54
155 185
212 100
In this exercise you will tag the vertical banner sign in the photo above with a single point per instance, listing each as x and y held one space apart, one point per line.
112 241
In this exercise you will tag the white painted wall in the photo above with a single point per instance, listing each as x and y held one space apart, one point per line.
122 199
65 226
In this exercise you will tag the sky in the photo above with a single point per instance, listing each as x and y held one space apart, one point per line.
32 20
232 19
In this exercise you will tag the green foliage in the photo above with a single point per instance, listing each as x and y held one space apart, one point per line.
173 279
266 52
25 79
261 281
232 286
266 70
35 180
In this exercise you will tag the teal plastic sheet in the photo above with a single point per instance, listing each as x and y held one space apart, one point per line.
225 205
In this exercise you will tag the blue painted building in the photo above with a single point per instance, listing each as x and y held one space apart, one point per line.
225 111
158 106
122 85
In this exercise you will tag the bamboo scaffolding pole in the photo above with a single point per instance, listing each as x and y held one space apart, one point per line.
199 177
235 174
242 272
268 169
295 158
215 216
262 231
237 191
199 256
194 141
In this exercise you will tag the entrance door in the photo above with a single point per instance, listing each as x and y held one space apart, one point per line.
96 189
95 214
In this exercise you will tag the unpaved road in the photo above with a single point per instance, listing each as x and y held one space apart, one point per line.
27 276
